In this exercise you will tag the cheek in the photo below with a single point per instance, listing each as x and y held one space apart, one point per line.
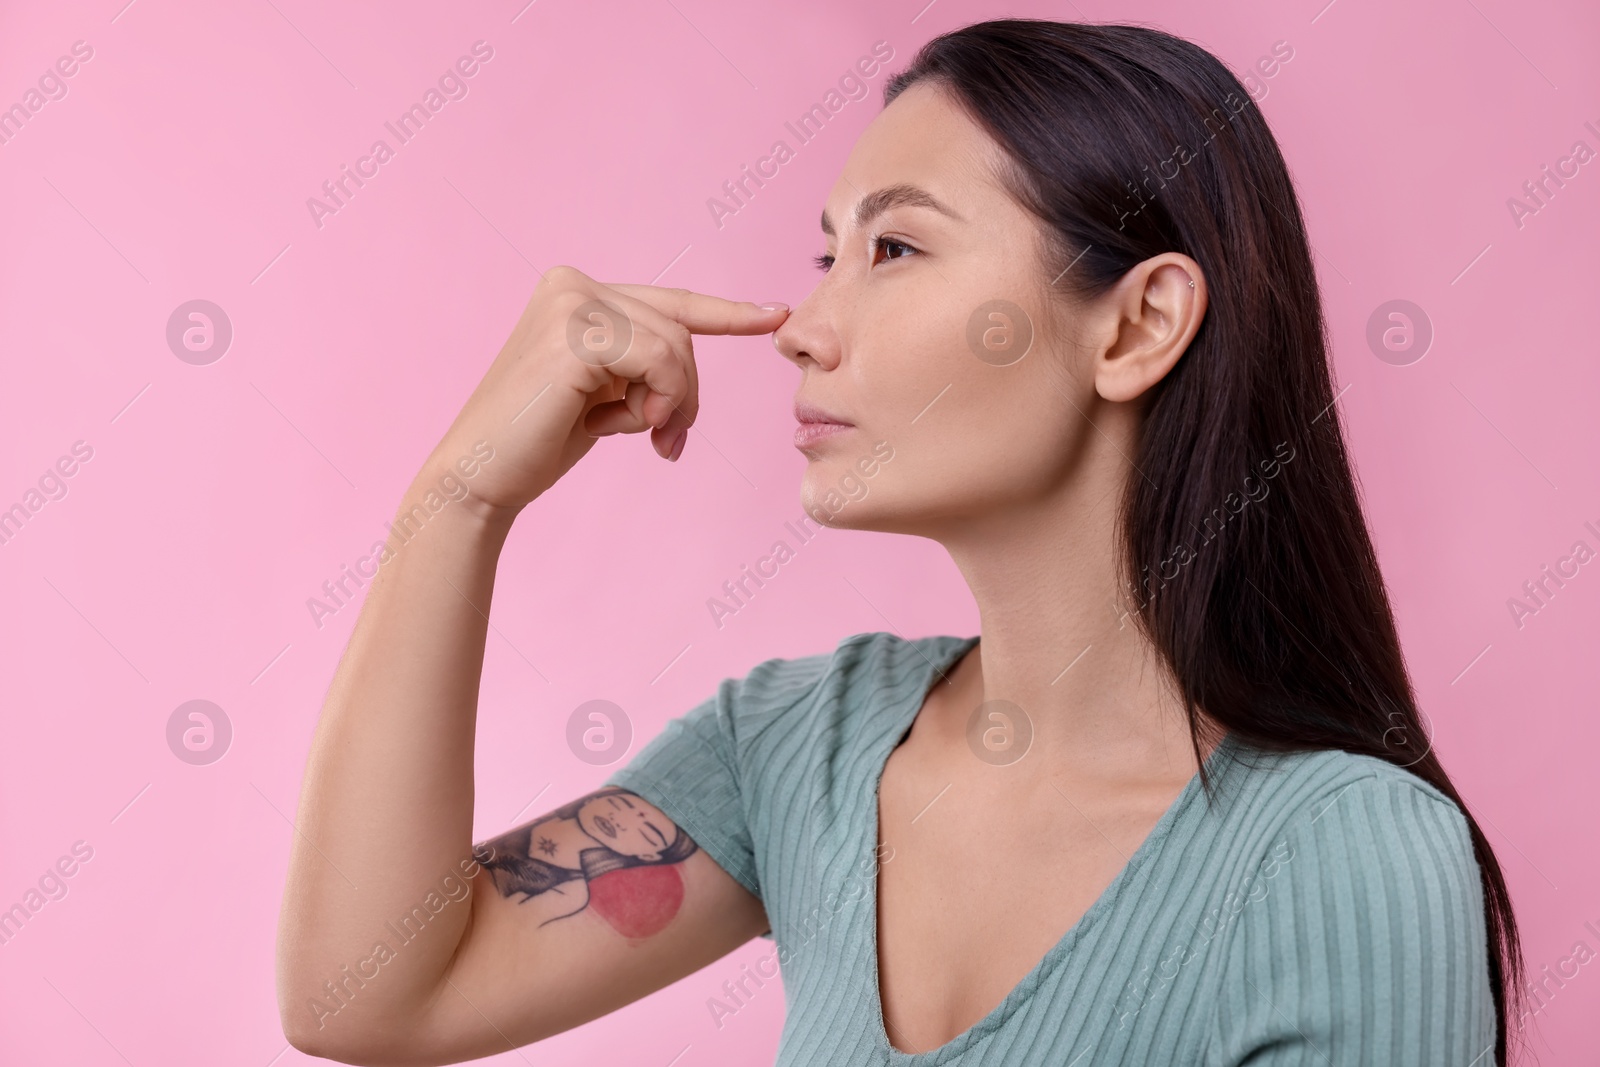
970 426
904 360
998 432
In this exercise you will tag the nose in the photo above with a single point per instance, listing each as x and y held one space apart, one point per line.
809 334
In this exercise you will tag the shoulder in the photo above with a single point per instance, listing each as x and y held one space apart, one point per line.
1362 928
1291 792
863 671
1379 834
861 655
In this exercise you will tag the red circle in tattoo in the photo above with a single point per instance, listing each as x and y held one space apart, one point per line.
637 901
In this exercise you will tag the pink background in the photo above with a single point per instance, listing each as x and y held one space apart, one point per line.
220 497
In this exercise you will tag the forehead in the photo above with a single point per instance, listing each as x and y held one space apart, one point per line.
924 139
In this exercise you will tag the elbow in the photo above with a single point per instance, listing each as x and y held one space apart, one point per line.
318 1021
354 1041
341 1048
312 1028
308 1023
315 1043
312 1045
346 1023
316 1037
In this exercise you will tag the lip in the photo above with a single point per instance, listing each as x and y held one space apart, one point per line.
807 434
805 411
816 424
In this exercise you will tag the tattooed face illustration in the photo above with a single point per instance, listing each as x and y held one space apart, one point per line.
627 824
611 854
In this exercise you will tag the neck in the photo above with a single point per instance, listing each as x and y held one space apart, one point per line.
1057 639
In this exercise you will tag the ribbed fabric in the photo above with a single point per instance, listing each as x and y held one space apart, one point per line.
1324 911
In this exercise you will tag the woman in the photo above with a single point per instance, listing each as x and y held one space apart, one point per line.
559 862
1175 805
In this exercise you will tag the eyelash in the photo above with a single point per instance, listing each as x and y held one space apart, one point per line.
824 261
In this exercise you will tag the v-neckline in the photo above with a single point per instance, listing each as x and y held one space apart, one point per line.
1019 994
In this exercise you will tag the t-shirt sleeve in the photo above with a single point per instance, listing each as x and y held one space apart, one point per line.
690 771
1366 942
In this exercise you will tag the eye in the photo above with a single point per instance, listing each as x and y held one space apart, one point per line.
889 246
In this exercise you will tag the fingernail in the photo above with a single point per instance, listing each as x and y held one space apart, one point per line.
774 307
678 443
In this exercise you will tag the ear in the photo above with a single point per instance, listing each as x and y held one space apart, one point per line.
1155 311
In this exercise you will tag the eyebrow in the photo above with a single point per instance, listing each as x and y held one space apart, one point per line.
874 204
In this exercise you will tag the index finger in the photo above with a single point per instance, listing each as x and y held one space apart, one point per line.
703 313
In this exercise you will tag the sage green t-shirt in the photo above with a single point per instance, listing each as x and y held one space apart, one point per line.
1324 911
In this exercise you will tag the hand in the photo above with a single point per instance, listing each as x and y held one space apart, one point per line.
587 360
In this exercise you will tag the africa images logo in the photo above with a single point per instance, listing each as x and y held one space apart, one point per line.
850 86
452 85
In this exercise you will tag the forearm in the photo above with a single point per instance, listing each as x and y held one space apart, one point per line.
386 805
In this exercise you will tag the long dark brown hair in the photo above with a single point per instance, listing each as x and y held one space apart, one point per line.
1128 142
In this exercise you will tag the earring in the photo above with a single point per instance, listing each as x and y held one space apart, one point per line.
1191 283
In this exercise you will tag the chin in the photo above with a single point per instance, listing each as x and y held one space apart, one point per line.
826 506
846 491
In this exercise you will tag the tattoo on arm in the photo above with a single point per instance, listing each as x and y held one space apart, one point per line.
611 852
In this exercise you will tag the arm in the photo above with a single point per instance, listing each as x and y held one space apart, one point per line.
385 818
1368 945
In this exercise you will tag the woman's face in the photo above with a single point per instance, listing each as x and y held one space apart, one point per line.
627 824
934 333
